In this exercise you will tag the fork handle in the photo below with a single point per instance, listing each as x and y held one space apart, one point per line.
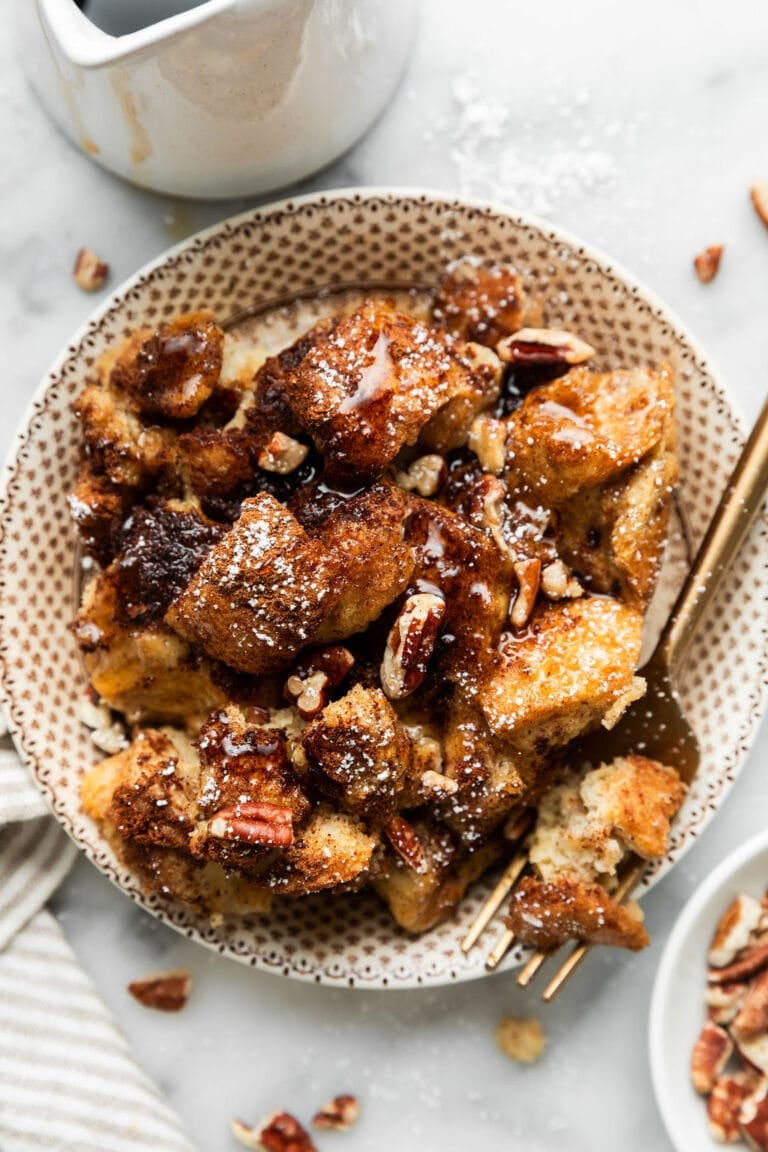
737 509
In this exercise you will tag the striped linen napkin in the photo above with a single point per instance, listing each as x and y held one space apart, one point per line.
68 1081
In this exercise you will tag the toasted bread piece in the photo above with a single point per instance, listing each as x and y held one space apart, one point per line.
473 576
360 751
492 778
574 662
584 428
159 548
97 507
370 386
142 669
365 534
483 303
260 594
613 535
148 791
119 445
332 852
419 900
171 371
637 798
548 915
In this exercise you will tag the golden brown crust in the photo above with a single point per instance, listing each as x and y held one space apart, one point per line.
260 594
548 915
364 532
369 387
360 752
483 303
637 797
420 900
583 429
172 371
563 673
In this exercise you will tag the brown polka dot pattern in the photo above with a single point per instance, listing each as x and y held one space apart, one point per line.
274 255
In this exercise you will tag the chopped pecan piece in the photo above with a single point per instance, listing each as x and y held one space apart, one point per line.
163 991
279 1132
90 272
405 842
282 454
707 263
338 1114
528 573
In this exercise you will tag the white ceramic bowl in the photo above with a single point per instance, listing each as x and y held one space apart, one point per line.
372 239
677 1006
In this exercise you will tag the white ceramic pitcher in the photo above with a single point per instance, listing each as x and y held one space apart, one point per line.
217 99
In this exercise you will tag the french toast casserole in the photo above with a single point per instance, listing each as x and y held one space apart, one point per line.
350 605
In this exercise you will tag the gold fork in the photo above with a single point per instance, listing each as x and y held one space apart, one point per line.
655 725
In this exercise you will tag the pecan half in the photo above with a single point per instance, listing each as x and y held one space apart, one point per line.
279 1132
163 991
724 1001
759 196
733 930
710 1054
309 694
542 346
752 1017
253 823
410 644
90 273
406 843
753 961
724 1105
707 263
282 454
338 1114
753 1118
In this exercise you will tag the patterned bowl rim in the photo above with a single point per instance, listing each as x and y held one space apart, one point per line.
257 216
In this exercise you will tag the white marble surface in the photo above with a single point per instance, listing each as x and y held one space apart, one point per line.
639 128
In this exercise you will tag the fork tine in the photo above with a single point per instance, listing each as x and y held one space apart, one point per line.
531 968
491 906
500 949
628 882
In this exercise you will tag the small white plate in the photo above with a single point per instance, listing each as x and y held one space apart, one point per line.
677 1007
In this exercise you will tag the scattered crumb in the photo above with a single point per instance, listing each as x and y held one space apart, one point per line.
522 1040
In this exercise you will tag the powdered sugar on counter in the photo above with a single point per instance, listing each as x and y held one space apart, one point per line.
498 156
